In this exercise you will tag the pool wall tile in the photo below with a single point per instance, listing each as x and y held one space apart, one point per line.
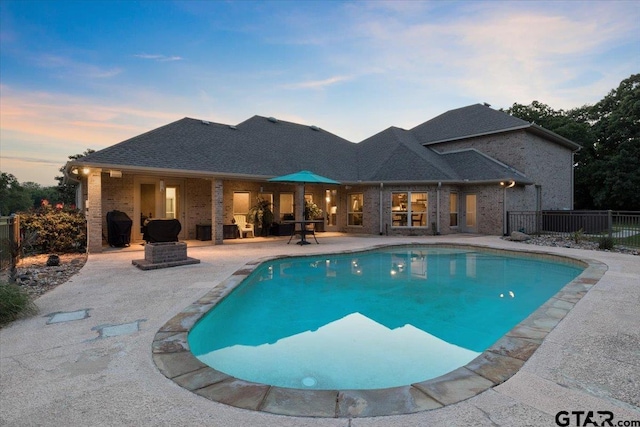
170 352
455 386
309 403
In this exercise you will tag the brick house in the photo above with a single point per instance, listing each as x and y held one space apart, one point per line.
459 172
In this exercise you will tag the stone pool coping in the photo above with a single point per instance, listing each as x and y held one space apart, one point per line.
495 365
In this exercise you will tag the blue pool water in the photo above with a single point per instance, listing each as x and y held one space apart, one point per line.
371 320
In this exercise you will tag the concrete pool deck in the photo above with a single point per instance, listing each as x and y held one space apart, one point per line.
93 366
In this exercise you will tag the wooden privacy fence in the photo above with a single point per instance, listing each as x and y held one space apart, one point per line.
622 226
9 231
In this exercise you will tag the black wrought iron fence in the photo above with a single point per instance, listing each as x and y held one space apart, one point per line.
9 231
622 226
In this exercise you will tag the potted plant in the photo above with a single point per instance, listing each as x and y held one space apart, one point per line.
313 212
261 216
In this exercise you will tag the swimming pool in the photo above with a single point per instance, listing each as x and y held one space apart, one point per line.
371 320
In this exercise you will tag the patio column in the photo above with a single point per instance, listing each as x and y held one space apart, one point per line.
93 209
217 211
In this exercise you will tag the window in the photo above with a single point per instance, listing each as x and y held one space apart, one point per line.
354 209
286 206
331 206
170 202
453 210
241 203
471 210
268 197
409 209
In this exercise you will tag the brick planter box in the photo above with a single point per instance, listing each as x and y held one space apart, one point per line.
163 255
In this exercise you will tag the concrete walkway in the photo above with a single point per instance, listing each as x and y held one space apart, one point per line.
86 359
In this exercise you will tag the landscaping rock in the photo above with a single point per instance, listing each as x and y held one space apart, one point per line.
517 236
36 276
53 261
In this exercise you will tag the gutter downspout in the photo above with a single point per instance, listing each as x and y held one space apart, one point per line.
573 173
437 230
380 214
504 211
511 184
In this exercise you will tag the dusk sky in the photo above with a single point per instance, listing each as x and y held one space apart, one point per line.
89 74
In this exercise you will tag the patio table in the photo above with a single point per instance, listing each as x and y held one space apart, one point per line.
303 230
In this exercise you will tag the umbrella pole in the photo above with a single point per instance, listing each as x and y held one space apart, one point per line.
300 202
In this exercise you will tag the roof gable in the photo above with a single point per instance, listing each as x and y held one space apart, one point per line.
395 155
466 122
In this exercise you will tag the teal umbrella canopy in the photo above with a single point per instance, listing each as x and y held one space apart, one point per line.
304 177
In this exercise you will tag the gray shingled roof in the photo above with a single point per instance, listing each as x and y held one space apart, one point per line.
256 147
465 122
474 166
395 155
261 148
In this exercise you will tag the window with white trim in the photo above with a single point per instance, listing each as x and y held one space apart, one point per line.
354 209
409 209
286 206
241 203
453 210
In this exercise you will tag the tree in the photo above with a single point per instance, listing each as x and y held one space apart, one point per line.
615 177
67 191
37 193
13 197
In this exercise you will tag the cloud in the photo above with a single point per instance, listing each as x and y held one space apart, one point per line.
495 52
66 121
38 125
318 84
38 161
72 68
159 58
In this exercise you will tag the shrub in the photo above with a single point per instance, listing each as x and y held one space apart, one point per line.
58 230
14 303
605 243
577 236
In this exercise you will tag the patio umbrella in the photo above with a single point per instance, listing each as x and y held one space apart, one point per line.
304 177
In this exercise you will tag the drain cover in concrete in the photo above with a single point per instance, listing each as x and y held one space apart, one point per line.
105 331
67 316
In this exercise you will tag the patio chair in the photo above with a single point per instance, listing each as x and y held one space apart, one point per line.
243 226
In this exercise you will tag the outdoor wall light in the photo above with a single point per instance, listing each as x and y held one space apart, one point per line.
86 171
162 185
